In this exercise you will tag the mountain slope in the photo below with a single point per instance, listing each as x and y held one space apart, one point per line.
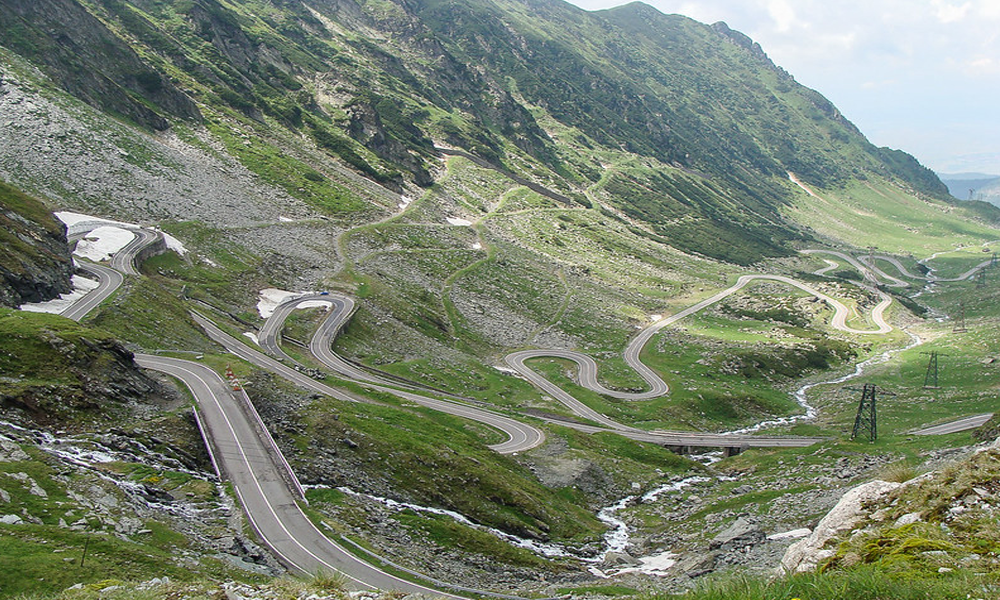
375 85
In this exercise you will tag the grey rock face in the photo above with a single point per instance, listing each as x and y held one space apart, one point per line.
740 534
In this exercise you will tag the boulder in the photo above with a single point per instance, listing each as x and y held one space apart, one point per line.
907 519
740 534
696 565
10 451
806 554
619 559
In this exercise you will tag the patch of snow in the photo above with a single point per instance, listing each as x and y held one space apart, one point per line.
210 262
174 244
791 535
477 246
252 336
655 318
285 219
314 304
458 221
506 370
597 572
72 218
101 243
270 298
404 201
656 564
81 285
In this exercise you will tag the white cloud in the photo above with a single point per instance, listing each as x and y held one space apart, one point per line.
983 65
701 11
950 13
783 14
989 9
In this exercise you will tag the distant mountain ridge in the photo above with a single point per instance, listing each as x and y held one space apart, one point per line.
973 186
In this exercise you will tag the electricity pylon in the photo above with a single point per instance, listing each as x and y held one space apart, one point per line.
866 420
931 377
960 321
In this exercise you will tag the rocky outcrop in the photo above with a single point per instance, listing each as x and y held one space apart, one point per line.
36 264
806 554
367 127
63 374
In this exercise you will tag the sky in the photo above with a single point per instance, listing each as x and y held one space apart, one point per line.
918 75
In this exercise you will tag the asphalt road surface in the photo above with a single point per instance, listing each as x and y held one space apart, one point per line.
124 261
270 505
955 426
108 280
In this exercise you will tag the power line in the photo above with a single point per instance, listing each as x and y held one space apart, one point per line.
866 420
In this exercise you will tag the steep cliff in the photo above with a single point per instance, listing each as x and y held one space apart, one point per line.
35 264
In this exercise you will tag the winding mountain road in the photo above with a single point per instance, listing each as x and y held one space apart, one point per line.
587 376
863 264
327 331
125 260
520 436
342 308
870 272
931 277
247 460
108 281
